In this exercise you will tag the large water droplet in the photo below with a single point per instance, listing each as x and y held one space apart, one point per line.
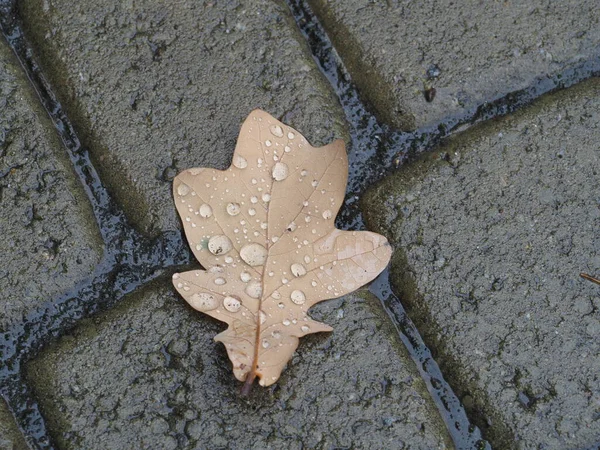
203 301
327 214
254 289
305 328
280 171
286 322
245 277
233 209
276 334
291 135
252 212
262 317
183 189
240 162
253 254
266 198
232 304
276 131
298 270
265 343
219 245
298 297
205 210
220 281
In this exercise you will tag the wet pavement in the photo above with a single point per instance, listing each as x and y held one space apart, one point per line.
103 105
492 231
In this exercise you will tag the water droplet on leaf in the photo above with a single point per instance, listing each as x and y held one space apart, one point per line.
298 297
276 131
219 245
232 304
253 254
205 210
254 289
183 189
245 277
240 162
298 270
233 209
280 171
203 301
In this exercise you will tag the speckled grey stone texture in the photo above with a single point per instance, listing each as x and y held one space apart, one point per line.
147 374
48 237
492 231
10 436
470 52
156 87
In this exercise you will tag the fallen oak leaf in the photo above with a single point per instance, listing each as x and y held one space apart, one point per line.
264 230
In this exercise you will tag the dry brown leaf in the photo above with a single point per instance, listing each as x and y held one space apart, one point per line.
264 230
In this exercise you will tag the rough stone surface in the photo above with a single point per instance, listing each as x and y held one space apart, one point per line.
156 87
47 238
470 53
147 374
10 436
491 233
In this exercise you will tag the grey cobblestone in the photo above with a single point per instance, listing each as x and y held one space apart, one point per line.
492 231
10 436
155 87
148 375
470 53
48 240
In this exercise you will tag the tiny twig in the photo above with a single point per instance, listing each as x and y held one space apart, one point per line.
589 278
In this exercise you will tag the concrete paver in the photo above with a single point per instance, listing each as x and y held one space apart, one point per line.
470 53
48 237
10 436
147 374
492 231
154 88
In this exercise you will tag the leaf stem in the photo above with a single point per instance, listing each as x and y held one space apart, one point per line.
247 387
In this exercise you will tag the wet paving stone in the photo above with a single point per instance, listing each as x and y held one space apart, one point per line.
10 436
491 231
154 88
398 51
147 374
48 237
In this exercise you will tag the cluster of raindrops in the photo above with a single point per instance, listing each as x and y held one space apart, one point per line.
247 208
